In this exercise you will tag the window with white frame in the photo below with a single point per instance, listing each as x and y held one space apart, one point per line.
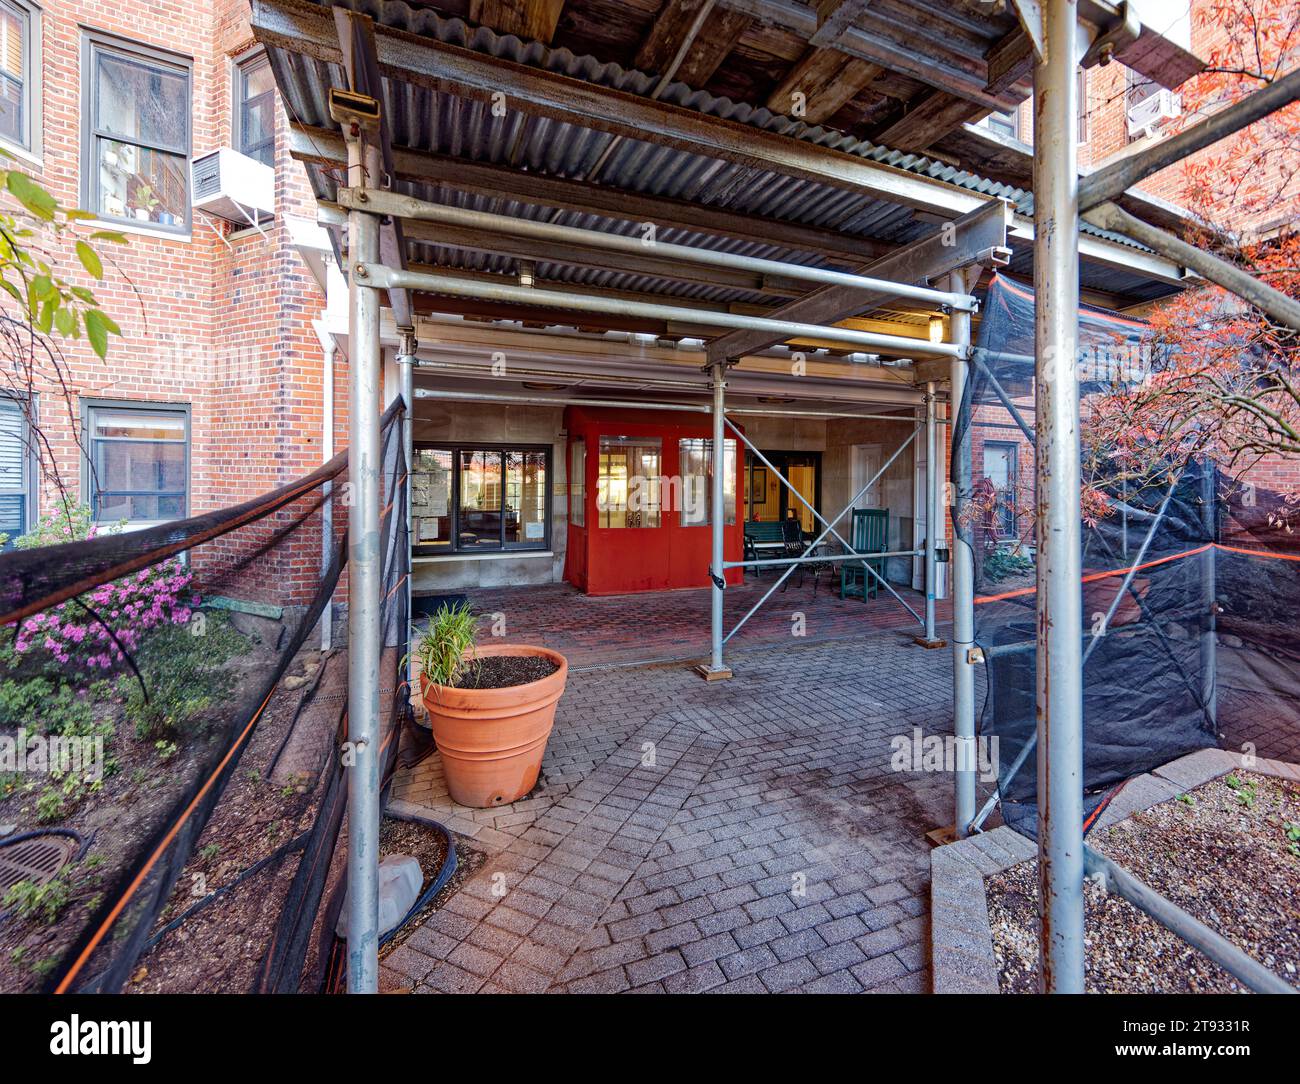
16 472
254 120
20 27
136 145
139 467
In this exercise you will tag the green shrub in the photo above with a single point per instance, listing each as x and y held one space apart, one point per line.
1002 565
183 673
43 903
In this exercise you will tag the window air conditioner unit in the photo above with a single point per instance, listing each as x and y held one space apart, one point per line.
233 186
1157 107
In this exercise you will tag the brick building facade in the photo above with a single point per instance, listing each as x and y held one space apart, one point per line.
214 392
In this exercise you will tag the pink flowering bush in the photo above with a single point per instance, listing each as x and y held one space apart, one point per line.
77 639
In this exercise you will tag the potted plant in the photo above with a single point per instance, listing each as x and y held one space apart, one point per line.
491 708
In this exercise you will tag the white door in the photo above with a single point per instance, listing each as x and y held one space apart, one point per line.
866 461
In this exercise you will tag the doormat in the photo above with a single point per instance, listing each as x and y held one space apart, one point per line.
428 605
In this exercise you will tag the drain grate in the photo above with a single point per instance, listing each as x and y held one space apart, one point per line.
36 858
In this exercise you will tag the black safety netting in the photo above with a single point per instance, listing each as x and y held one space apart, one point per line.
172 726
1189 577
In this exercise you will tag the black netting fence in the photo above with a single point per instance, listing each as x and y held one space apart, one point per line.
1188 576
172 705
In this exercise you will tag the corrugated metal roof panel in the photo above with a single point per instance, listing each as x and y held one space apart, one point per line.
425 119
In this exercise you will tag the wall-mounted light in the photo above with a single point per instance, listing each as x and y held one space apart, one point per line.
525 273
936 329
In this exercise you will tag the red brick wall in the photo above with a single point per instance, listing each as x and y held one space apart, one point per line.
223 325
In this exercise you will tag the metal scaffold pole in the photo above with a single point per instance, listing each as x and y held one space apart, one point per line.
1059 687
406 387
933 473
365 637
717 518
962 568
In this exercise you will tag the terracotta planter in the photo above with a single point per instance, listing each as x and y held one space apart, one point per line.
492 740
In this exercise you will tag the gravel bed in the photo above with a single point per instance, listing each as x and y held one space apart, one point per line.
1222 852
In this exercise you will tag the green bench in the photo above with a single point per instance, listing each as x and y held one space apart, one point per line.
765 534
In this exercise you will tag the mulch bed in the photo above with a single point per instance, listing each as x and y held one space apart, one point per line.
1221 853
504 671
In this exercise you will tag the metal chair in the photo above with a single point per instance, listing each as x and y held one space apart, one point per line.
870 535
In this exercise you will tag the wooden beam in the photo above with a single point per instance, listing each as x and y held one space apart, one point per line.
820 84
834 18
532 20
1010 61
720 32
299 27
326 148
928 121
931 62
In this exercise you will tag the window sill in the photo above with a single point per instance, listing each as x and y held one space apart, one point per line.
162 233
22 154
499 555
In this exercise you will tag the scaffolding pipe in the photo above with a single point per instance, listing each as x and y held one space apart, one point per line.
931 523
1209 646
962 569
629 404
406 387
1115 179
788 484
1059 603
328 351
408 207
830 529
365 635
1271 302
452 285
717 517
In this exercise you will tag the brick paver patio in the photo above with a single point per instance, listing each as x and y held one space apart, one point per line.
746 835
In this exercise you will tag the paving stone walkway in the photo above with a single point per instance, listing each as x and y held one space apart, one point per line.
747 835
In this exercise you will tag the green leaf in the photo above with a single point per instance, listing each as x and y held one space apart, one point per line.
90 260
82 294
66 322
41 287
98 327
32 196
46 317
109 235
11 289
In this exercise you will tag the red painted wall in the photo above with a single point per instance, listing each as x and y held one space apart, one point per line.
619 560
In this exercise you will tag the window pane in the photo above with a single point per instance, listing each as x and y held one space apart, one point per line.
13 473
628 482
139 479
431 498
256 119
13 74
695 456
526 498
143 184
480 500
140 470
578 483
142 101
